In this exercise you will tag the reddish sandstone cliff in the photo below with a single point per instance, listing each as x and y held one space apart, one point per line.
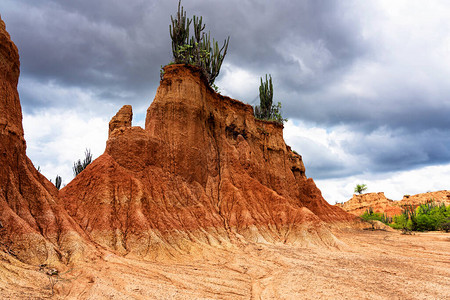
377 201
203 171
358 204
437 197
33 226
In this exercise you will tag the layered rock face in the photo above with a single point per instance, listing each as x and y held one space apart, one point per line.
33 226
358 204
203 171
436 197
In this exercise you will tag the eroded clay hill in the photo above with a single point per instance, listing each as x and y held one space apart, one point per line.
436 197
378 202
34 227
203 171
358 204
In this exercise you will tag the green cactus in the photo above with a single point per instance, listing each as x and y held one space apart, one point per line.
79 165
266 110
179 33
58 182
266 97
197 49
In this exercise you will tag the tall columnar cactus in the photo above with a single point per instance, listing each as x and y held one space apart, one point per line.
266 110
79 165
216 59
58 182
197 49
266 97
179 33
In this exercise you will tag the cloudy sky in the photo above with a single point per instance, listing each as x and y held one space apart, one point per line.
365 84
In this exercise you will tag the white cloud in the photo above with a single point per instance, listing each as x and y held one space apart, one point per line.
57 138
393 184
322 152
375 72
322 149
239 83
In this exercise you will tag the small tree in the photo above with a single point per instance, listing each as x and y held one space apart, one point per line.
360 188
79 165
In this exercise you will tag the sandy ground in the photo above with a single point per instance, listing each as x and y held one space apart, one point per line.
372 265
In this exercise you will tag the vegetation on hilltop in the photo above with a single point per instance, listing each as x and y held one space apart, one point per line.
196 50
266 110
360 188
79 165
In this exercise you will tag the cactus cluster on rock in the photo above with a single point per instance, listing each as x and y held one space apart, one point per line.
266 110
196 50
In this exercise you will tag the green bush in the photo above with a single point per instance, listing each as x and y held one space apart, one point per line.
426 217
445 227
370 215
400 222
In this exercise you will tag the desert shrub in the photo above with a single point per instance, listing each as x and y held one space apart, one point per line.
79 165
58 182
431 216
426 217
399 222
369 215
445 227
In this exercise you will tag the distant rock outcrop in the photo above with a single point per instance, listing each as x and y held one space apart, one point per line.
34 226
358 204
436 197
203 171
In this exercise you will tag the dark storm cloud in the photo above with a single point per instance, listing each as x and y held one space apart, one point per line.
109 45
327 70
98 46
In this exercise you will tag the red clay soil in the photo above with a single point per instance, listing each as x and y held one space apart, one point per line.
437 197
373 265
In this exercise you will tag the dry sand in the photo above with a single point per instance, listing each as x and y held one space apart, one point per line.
372 265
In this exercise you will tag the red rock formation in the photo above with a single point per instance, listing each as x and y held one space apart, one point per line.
377 201
121 120
34 227
436 197
203 171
